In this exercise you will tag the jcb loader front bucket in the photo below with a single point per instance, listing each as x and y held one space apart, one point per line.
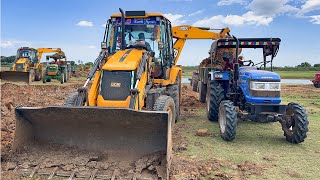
15 76
139 141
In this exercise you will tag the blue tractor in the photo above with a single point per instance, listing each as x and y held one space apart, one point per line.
243 90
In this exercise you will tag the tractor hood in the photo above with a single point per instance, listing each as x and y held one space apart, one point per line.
253 73
127 59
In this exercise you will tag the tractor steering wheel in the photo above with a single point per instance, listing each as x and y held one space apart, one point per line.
251 63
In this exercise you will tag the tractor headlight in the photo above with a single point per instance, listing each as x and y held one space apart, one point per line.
265 86
258 86
274 86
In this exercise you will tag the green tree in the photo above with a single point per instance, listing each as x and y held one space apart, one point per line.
89 63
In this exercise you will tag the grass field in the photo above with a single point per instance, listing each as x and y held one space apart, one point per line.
261 144
187 72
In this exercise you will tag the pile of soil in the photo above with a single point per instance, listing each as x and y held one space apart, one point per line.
27 95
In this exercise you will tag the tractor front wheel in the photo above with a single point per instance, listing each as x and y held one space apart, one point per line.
215 94
227 120
296 123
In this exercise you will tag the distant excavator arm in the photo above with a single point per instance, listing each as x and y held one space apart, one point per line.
47 50
184 32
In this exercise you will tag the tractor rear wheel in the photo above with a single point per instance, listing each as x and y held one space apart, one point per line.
215 94
166 103
296 123
62 78
227 120
202 89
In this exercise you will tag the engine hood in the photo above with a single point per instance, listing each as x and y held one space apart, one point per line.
253 73
128 59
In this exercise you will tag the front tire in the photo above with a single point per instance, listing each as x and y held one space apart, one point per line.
296 123
227 120
166 103
215 94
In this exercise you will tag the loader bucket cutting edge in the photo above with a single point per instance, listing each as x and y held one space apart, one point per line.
15 76
123 134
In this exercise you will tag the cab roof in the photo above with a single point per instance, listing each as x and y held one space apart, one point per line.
130 14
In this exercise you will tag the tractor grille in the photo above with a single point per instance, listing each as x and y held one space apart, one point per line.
265 93
19 67
115 85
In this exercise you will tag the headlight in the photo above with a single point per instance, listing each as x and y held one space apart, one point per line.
265 86
274 86
257 85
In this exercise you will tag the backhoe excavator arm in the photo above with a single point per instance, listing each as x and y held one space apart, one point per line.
47 50
184 32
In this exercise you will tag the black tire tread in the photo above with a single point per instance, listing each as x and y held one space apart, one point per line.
216 93
70 100
301 124
231 120
162 103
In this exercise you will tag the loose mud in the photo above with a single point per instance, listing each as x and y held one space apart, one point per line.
74 160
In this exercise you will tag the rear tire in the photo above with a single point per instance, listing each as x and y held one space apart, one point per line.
227 120
297 124
202 89
62 78
166 103
317 85
215 94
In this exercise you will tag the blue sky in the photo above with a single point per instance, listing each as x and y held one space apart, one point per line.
77 25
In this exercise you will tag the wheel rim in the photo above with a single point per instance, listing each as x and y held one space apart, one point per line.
222 119
290 121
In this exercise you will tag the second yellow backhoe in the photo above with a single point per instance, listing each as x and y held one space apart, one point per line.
27 66
126 117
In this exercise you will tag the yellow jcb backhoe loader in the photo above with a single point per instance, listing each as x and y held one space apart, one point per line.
27 67
128 114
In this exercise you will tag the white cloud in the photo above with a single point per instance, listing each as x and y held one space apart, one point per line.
92 47
248 18
196 13
230 2
14 44
310 5
175 18
271 8
85 24
315 19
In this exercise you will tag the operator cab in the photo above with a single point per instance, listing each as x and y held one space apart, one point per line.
26 52
150 32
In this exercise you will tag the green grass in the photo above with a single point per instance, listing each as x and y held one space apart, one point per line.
263 144
296 74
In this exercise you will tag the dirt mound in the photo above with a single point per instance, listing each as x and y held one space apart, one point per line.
27 95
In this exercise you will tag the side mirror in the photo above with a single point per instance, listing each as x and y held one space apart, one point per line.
103 45
160 45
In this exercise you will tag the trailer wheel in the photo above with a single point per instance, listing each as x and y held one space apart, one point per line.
202 89
227 120
44 80
166 103
215 95
316 85
194 85
62 78
296 123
